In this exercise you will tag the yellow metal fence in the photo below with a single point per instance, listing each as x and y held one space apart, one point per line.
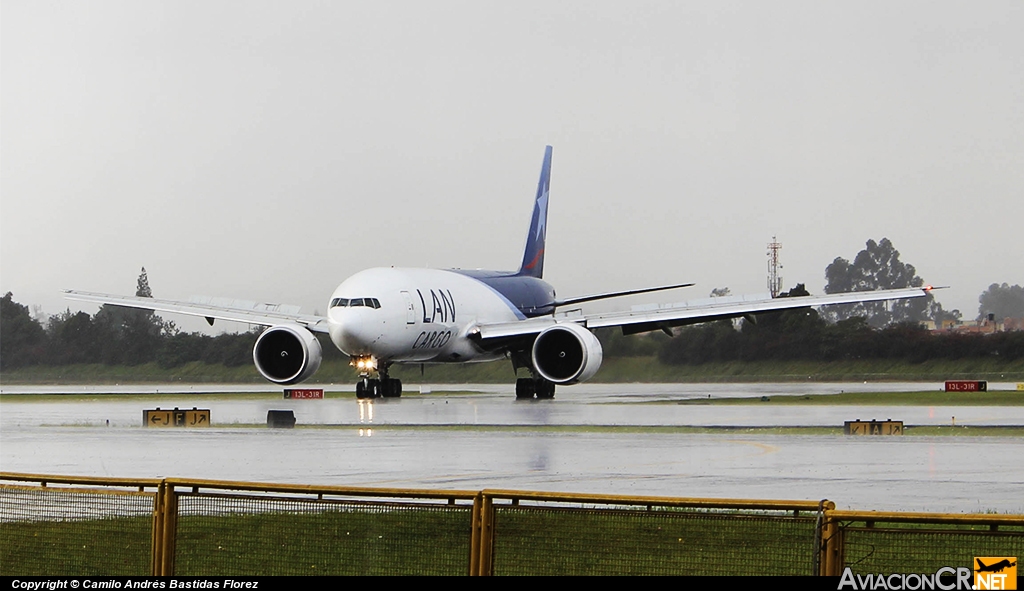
53 525
875 542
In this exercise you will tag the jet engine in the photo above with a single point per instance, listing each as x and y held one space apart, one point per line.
287 354
566 354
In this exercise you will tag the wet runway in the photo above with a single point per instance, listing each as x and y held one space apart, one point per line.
590 439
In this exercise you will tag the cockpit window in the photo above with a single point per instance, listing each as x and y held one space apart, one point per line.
355 303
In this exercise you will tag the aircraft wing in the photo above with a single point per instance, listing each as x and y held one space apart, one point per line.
645 320
233 310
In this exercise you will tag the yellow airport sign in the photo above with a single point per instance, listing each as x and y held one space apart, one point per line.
888 427
195 417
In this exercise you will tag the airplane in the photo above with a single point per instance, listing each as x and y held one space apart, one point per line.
995 567
383 316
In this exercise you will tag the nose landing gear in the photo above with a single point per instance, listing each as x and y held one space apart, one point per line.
368 387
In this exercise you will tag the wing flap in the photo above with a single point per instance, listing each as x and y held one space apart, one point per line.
243 311
514 329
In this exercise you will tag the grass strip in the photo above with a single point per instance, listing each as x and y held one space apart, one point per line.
613 370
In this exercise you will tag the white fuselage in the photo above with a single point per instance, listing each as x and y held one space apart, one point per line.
424 315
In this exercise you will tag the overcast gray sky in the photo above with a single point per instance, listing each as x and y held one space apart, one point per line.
267 150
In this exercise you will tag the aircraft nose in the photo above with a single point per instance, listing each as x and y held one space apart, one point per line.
354 336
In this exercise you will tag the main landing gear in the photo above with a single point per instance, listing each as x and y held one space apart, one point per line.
384 386
527 388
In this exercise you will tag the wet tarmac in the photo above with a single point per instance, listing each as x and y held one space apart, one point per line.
591 438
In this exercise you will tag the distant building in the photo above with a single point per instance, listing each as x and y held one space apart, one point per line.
983 326
944 325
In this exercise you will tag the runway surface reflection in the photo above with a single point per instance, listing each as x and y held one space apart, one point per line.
611 439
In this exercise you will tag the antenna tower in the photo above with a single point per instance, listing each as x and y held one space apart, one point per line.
774 279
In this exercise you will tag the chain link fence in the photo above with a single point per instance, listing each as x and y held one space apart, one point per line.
253 535
920 543
46 531
53 525
658 541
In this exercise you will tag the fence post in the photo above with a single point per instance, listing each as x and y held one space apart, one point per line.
824 532
170 531
474 537
485 559
832 537
157 534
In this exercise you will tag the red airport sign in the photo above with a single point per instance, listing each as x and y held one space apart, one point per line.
966 386
304 393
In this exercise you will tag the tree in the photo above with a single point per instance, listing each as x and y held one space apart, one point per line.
702 343
784 334
1004 301
142 290
878 266
939 314
131 336
22 340
74 338
616 344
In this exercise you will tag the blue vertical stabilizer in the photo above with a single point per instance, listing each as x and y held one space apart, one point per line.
533 257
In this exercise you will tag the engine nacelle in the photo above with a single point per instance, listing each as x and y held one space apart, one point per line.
287 354
566 354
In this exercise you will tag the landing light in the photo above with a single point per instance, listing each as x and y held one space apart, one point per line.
364 363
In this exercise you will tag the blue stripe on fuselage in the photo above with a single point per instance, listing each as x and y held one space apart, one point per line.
527 296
